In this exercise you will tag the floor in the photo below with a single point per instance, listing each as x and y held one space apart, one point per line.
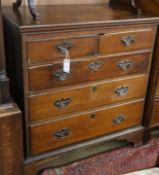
152 171
115 162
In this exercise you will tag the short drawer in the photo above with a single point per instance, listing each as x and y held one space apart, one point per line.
55 134
62 102
52 76
46 50
130 40
155 113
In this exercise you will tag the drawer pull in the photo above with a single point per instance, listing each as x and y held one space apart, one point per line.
62 133
64 46
124 65
122 90
128 40
62 103
119 119
96 65
60 75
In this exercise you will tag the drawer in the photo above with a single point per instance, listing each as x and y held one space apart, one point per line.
52 76
65 101
155 113
130 40
45 50
77 128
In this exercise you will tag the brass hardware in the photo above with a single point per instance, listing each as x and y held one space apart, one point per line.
60 75
94 89
96 65
119 119
62 133
62 103
64 46
122 90
124 65
128 40
93 116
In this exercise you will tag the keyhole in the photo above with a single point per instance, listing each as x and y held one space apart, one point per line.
93 116
94 89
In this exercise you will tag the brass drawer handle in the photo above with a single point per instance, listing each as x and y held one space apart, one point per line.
128 40
96 65
62 133
122 90
119 119
62 103
124 65
60 75
64 46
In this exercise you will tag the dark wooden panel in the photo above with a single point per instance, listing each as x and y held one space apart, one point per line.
152 84
77 128
11 145
51 76
85 97
155 113
130 40
149 7
157 87
43 50
4 81
2 55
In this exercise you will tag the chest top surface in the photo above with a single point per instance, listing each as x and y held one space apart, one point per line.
74 16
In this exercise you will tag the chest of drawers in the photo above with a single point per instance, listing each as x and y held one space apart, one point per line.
103 95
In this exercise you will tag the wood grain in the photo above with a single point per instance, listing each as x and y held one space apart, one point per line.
42 107
86 126
112 42
11 145
155 113
52 76
44 50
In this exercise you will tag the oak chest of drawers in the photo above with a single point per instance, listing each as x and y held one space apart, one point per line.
104 93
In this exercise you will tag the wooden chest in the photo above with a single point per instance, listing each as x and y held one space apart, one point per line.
104 92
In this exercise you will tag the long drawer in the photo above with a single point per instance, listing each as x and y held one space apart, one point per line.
52 76
62 102
126 40
77 128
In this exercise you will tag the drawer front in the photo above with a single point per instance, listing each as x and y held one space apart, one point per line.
85 97
51 76
155 113
40 51
59 133
116 42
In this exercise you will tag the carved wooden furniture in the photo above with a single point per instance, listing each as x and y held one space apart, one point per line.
11 145
101 98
